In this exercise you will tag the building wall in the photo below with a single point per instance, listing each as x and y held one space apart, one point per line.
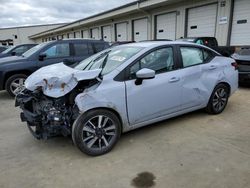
23 33
180 7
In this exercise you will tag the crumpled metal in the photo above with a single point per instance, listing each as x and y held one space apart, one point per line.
57 80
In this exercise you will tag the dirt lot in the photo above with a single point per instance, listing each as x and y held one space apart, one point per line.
195 150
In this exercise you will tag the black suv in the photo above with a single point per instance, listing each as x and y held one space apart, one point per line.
14 70
16 50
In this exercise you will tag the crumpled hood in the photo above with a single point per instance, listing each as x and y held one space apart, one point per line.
57 80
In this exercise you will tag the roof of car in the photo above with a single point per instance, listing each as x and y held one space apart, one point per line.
155 43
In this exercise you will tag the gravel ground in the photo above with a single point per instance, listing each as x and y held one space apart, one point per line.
195 150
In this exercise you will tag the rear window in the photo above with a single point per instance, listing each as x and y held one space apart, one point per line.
98 47
81 49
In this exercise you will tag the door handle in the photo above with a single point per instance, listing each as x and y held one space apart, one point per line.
174 79
212 67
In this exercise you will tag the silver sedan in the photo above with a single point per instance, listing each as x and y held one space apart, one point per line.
124 88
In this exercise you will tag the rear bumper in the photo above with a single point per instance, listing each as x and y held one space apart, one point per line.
244 77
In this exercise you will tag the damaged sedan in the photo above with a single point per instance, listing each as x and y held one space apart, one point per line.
124 88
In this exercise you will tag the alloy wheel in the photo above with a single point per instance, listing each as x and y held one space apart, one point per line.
98 132
17 85
220 99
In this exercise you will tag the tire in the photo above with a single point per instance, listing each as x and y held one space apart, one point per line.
96 140
15 81
218 100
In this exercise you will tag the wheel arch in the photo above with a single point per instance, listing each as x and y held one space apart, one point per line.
226 84
11 73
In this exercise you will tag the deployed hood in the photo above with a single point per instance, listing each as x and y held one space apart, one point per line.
57 80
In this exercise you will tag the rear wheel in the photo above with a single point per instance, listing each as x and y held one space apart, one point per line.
15 84
218 100
96 132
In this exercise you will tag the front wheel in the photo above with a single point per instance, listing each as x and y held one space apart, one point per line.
15 84
218 100
96 132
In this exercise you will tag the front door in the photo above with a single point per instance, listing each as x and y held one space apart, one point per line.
56 54
154 97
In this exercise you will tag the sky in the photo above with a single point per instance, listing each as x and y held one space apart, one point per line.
35 12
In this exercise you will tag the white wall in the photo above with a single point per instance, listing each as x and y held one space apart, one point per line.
23 33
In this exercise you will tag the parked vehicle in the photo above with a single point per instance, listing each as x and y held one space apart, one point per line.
211 42
120 43
242 57
2 48
14 70
123 88
16 50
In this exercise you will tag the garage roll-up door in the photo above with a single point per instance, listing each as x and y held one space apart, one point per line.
85 34
77 34
202 21
106 33
241 23
121 31
70 35
95 33
140 29
166 26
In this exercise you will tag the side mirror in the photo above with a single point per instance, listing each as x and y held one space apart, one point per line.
13 53
42 56
144 74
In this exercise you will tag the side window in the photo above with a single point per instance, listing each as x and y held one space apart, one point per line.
58 50
160 60
20 50
81 49
212 42
191 56
98 47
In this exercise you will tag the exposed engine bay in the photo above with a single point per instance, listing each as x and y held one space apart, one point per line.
48 104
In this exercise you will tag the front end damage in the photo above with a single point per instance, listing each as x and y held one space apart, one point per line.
46 117
48 103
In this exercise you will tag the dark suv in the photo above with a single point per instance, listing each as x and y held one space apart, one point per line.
14 70
16 50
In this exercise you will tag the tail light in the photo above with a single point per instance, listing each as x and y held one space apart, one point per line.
235 65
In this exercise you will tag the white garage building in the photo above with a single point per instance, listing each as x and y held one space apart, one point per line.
20 35
227 20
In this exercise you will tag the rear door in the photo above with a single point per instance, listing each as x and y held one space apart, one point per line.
154 97
194 72
166 26
140 29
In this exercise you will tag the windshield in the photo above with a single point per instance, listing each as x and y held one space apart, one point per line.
8 50
109 59
34 49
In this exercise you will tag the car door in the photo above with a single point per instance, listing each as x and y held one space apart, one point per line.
154 97
55 53
192 81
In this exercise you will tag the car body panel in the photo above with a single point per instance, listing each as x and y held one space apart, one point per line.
157 97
